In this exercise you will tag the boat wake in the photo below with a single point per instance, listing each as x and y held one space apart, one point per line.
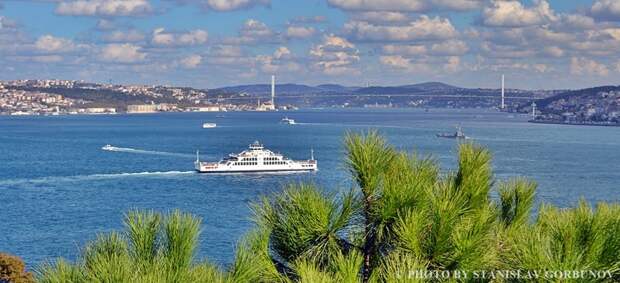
142 151
92 177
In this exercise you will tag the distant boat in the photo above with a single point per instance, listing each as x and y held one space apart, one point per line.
288 121
456 135
108 147
209 125
220 116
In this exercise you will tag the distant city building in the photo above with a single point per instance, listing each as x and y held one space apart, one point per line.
100 110
211 108
142 108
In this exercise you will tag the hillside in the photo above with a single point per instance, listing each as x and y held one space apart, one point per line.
598 105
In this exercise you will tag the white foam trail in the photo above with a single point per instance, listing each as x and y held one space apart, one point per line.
57 179
141 151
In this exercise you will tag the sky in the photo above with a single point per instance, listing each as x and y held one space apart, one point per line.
537 44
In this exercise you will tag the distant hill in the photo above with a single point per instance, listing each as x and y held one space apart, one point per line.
597 106
258 89
266 88
594 94
431 86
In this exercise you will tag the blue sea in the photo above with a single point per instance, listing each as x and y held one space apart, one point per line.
58 189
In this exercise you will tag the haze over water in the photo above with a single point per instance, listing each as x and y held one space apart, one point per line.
58 189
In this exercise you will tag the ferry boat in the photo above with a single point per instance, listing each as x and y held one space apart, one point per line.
256 159
457 135
288 121
209 125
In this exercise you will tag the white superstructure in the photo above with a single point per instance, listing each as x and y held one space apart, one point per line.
288 121
256 159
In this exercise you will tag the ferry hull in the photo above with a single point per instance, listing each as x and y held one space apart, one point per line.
254 171
210 168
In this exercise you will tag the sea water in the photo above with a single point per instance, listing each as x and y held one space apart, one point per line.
58 188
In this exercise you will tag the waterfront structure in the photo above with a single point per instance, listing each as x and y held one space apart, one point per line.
256 159
269 106
503 105
142 108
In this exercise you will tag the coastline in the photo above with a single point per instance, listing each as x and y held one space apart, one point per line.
571 124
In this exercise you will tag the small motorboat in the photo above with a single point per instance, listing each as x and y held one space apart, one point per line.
288 121
108 147
209 125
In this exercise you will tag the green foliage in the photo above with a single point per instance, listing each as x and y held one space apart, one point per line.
569 239
402 219
154 248
516 201
367 158
304 223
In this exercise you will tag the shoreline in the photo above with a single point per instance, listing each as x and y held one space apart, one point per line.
572 124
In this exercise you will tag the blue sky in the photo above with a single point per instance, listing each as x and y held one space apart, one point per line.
538 44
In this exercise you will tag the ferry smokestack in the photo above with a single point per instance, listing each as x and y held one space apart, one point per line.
503 104
273 91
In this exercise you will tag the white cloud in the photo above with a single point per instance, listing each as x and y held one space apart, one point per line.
282 53
230 5
104 8
226 51
445 48
453 64
421 29
554 51
514 14
122 53
404 5
300 32
47 58
195 37
396 61
405 64
6 23
541 68
51 44
124 36
606 10
103 24
404 49
580 66
255 29
335 56
231 55
253 32
39 58
380 16
191 62
576 21
450 47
